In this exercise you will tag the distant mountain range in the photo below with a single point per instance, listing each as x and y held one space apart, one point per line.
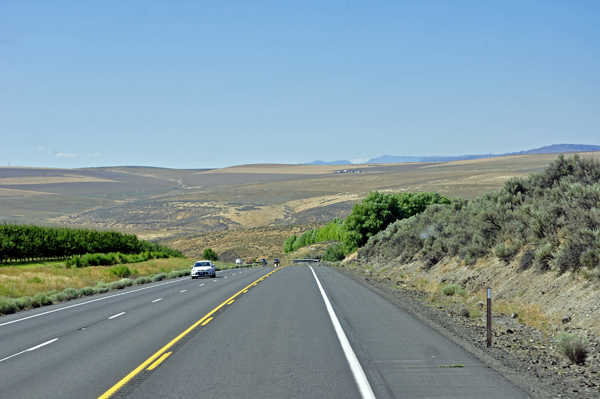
342 162
551 149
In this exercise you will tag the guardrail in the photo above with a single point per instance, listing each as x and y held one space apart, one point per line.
305 260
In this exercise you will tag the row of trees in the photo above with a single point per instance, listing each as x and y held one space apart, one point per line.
374 214
28 242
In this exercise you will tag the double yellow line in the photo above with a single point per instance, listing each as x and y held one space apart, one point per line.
203 321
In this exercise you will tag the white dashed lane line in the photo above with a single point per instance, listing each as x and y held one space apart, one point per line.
30 349
156 300
183 291
117 315
200 285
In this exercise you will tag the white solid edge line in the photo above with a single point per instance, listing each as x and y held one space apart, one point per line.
357 371
117 315
30 349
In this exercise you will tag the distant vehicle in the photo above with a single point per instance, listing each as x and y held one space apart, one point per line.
276 262
263 261
203 268
239 261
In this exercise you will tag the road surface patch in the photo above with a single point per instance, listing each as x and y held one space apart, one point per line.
140 371
30 349
357 371
159 361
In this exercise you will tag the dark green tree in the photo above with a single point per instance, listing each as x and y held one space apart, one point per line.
372 215
210 254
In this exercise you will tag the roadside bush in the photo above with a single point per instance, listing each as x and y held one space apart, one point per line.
574 347
70 293
8 306
23 302
102 289
40 299
87 291
334 253
141 280
117 285
57 298
159 277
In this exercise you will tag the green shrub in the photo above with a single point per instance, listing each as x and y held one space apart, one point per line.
502 252
7 306
453 289
102 289
574 347
75 261
210 254
120 271
159 277
334 253
23 302
70 293
141 280
40 299
57 298
87 291
185 272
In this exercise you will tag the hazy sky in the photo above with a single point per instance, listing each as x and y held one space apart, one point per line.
197 84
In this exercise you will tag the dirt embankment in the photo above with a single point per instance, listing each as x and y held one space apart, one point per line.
530 308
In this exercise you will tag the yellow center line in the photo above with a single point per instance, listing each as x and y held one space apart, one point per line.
159 361
152 358
230 302
207 321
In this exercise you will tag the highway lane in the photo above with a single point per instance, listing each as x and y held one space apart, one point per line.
93 351
275 341
403 357
279 342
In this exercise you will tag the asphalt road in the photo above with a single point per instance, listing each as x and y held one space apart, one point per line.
271 339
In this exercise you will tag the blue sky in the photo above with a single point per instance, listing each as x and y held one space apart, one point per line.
197 84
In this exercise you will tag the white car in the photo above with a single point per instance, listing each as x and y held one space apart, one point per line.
203 268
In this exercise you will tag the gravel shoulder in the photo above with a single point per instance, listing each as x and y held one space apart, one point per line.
522 354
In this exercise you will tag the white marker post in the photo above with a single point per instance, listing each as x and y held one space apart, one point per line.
489 317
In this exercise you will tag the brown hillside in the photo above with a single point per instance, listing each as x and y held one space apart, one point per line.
163 203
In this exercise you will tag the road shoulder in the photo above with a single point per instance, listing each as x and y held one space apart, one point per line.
534 378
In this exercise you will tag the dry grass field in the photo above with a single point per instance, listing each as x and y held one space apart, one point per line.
27 280
229 209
